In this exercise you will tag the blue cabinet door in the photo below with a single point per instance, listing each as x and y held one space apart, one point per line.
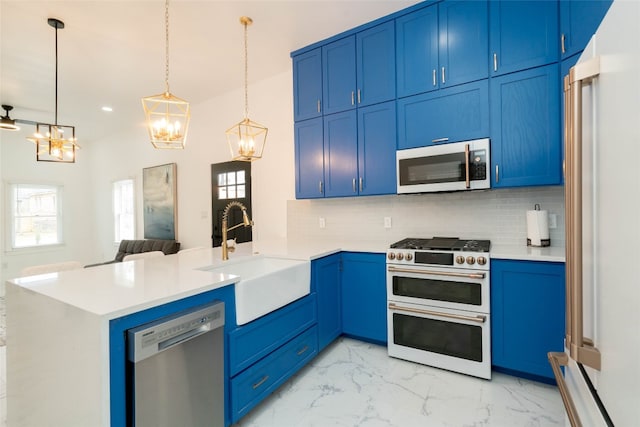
527 310
417 51
376 64
377 149
309 159
326 282
464 42
339 75
523 34
341 154
579 20
307 85
525 128
453 114
364 296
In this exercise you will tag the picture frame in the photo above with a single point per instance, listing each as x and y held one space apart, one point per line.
160 207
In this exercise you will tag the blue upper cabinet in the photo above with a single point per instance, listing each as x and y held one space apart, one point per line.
440 46
579 20
307 85
464 42
377 149
523 34
309 159
338 75
417 51
525 128
376 64
341 154
453 114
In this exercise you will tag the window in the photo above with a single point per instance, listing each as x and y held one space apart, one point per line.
123 210
231 185
36 215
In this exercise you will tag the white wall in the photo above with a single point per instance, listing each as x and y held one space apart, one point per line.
126 154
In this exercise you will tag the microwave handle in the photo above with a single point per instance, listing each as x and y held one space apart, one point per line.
466 166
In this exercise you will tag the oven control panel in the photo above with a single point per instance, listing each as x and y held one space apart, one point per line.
473 260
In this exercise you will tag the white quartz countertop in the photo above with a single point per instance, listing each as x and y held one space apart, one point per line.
114 290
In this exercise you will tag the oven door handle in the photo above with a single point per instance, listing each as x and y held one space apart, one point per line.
478 319
438 273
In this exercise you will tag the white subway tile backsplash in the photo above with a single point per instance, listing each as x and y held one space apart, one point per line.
498 215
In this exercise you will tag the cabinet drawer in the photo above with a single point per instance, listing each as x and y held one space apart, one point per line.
250 343
459 113
260 380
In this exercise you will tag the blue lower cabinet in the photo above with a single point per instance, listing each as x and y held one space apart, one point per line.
364 296
527 311
257 382
326 283
453 114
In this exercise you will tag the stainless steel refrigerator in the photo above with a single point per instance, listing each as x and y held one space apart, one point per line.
600 384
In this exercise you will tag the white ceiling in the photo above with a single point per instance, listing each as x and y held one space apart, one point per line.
111 52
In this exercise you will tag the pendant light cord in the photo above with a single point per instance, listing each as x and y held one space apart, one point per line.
56 116
246 73
166 34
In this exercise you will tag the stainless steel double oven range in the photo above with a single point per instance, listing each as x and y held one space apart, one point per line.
438 303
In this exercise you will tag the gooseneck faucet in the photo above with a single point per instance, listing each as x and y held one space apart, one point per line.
225 217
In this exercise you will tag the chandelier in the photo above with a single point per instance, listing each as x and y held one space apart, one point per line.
247 138
55 142
167 116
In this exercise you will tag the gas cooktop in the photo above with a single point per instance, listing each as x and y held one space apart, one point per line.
443 244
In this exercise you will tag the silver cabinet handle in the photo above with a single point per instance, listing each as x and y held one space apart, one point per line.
497 174
478 319
440 140
302 350
495 62
320 187
361 184
353 102
562 48
259 383
359 96
443 75
318 105
434 77
437 273
353 185
556 360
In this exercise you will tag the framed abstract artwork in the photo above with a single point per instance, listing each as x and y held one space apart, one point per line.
159 194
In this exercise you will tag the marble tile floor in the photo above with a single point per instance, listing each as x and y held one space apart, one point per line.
355 384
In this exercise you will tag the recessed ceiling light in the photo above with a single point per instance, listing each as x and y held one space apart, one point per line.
107 108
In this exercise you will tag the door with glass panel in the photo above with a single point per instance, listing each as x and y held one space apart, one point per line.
230 181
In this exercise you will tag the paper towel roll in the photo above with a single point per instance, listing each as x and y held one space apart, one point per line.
538 228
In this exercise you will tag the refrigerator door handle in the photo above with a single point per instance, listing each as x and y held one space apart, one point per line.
579 349
557 359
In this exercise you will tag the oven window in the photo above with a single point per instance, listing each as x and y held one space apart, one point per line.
438 336
438 290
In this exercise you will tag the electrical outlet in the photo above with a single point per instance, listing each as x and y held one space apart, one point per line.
553 221
387 222
321 222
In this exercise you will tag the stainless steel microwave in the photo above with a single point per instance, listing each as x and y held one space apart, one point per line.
456 166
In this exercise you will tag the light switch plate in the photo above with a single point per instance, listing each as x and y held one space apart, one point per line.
387 222
321 222
553 221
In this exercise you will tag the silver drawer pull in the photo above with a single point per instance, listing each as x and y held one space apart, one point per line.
440 140
303 350
478 319
259 383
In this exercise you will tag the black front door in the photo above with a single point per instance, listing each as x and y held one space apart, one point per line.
230 181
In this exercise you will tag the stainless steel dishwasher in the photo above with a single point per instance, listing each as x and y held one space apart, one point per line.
177 369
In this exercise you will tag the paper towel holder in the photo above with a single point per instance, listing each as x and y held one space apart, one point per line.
537 228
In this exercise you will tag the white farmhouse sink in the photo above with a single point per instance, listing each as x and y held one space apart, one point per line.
266 284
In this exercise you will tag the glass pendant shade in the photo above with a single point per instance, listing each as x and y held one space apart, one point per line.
167 118
246 140
55 143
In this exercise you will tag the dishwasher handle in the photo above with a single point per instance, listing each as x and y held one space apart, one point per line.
152 338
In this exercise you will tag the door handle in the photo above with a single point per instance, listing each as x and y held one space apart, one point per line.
359 96
320 186
353 185
437 273
556 360
562 48
434 77
361 184
478 319
495 62
318 105
442 75
497 174
353 102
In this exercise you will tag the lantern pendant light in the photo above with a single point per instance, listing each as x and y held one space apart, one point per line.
55 142
167 116
247 138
